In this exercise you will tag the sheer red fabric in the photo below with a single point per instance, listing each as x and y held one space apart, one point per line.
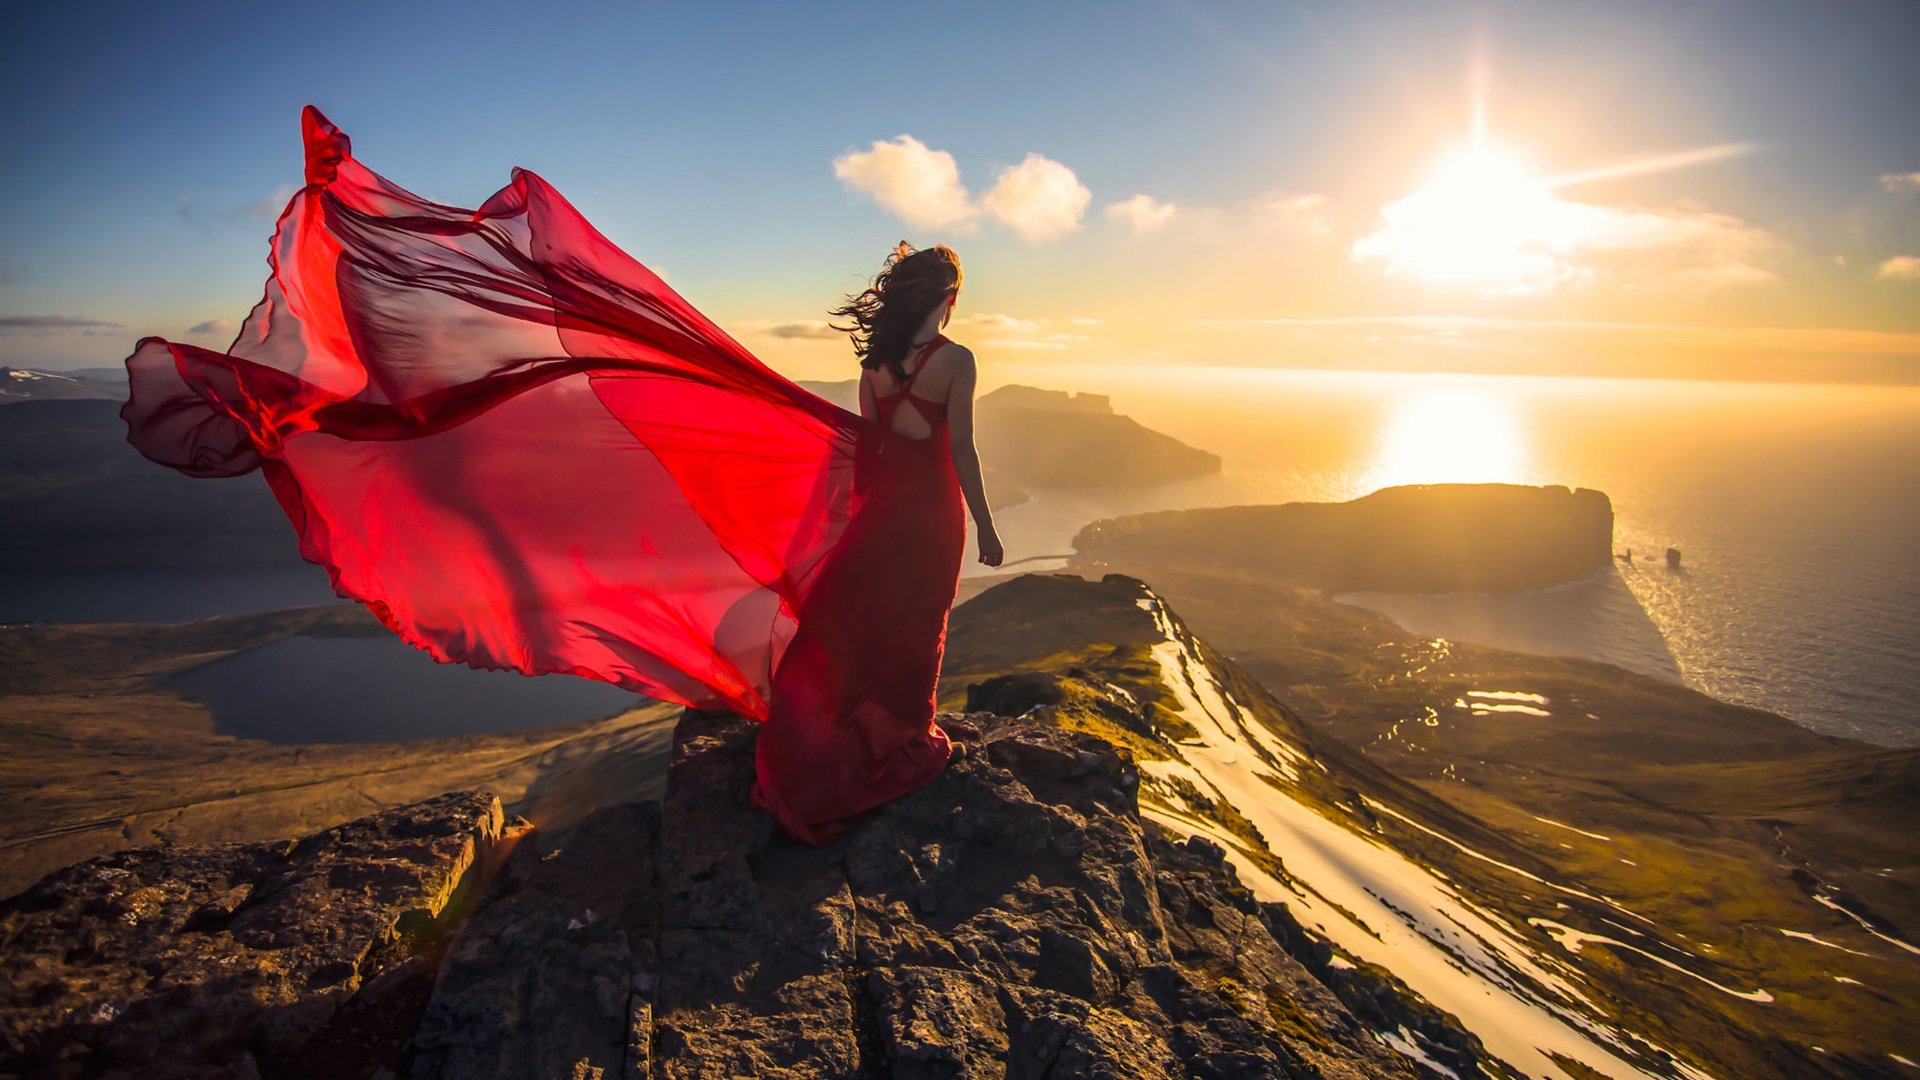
522 450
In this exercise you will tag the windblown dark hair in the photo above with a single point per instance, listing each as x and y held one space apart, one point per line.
885 316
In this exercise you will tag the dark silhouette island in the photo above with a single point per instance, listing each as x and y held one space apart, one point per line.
1438 538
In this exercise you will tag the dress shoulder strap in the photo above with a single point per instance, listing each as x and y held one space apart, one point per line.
920 361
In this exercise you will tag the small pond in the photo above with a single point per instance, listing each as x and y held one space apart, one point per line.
380 689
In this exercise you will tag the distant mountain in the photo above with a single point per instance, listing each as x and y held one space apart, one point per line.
1438 538
116 375
22 384
73 493
1049 438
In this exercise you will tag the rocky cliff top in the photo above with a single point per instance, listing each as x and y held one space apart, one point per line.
1015 918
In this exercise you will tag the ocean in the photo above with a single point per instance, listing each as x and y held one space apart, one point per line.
1795 510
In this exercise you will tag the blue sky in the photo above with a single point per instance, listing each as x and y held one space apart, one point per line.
148 146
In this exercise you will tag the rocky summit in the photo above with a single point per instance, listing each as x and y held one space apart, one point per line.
1016 918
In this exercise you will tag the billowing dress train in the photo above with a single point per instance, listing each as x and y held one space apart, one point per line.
522 450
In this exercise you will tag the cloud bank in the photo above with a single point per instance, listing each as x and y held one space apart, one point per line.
49 322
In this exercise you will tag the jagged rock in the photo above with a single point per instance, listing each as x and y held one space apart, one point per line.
232 960
1015 918
539 984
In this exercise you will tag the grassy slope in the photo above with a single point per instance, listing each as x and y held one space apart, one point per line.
1716 823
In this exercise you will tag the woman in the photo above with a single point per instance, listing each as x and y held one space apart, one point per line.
522 451
896 567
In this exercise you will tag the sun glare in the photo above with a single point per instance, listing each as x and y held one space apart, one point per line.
1450 436
1486 222
1483 220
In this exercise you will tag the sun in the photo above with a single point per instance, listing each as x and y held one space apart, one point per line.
1450 435
1482 220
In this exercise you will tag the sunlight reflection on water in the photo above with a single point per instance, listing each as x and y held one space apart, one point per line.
1797 509
1450 435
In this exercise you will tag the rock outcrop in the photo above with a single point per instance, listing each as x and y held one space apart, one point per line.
1051 438
1016 918
236 960
1436 538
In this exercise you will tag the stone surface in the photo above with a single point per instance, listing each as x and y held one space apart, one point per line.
539 984
1016 918
213 961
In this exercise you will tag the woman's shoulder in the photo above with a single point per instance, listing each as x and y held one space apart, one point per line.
952 354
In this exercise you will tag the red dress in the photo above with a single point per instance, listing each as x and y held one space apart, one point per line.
523 451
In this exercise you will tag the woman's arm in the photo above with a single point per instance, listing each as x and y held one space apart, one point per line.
869 408
966 460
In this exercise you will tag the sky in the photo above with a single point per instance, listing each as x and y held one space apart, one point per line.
1678 189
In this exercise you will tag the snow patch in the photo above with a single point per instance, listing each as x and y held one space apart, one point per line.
1372 902
1574 940
1405 1043
1818 941
1569 828
1823 898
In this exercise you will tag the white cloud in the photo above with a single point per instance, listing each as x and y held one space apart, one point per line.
1901 181
1089 322
804 328
1045 341
1002 324
267 209
918 185
1306 212
1012 333
1142 212
1900 268
212 326
1485 224
1039 199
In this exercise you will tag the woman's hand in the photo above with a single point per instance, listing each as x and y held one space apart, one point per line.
991 553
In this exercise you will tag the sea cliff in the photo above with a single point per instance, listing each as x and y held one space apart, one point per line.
1433 539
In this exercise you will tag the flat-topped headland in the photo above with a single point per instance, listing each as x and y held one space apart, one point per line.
1050 438
1437 538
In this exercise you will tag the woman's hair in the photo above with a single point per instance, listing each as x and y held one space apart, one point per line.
888 313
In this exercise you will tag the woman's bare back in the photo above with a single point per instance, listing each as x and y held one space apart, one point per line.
927 388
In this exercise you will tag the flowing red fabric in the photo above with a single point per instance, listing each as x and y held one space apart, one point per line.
523 451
